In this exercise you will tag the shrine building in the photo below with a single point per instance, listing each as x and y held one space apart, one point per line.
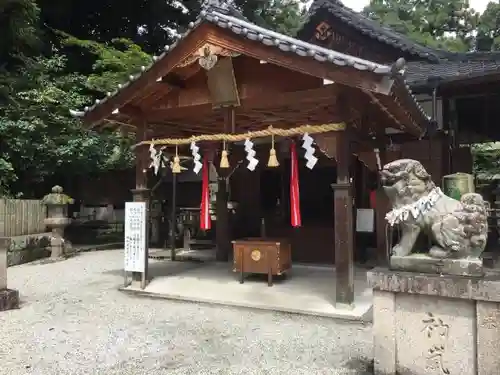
363 93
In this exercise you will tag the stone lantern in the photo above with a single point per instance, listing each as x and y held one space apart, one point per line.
57 220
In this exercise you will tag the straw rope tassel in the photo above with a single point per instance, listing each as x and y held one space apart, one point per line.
176 165
224 162
273 160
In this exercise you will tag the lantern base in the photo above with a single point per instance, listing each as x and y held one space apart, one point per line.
9 299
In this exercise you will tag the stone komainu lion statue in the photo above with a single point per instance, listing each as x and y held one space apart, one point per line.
457 229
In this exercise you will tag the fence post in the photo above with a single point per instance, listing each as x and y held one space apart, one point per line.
9 298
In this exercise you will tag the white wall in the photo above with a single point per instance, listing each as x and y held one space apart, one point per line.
426 102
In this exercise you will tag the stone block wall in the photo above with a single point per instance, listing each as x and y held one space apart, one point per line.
24 249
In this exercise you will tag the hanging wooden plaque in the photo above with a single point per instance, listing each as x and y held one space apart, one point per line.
222 84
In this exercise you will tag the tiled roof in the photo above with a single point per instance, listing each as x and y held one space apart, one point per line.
225 18
453 67
288 44
438 63
374 29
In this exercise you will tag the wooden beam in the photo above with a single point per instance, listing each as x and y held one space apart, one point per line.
191 126
173 80
265 101
189 45
348 76
344 223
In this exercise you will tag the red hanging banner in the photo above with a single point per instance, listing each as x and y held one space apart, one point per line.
294 188
205 222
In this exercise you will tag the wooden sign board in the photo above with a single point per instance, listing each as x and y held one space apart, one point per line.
135 236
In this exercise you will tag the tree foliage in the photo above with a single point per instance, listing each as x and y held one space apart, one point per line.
449 25
284 16
18 31
446 24
57 55
40 139
148 22
488 31
112 62
486 159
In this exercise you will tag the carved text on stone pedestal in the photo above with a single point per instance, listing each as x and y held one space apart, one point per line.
491 320
437 333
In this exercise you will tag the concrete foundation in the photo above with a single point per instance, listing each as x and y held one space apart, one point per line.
306 290
435 324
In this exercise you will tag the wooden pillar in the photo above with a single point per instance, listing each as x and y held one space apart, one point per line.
173 218
222 235
381 209
222 227
343 216
141 194
448 142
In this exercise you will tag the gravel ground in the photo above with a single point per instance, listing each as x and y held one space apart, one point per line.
73 320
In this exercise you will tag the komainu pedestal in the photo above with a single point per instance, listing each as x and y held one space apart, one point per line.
435 312
425 324
9 298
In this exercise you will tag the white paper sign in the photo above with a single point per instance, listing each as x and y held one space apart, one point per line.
135 236
365 220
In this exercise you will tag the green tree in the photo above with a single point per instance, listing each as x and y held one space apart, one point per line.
284 16
486 158
113 62
143 21
446 24
39 138
147 22
18 38
83 50
488 31
18 30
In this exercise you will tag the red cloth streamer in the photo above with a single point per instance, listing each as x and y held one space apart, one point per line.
205 221
294 188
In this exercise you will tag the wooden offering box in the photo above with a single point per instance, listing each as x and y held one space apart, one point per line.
263 256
